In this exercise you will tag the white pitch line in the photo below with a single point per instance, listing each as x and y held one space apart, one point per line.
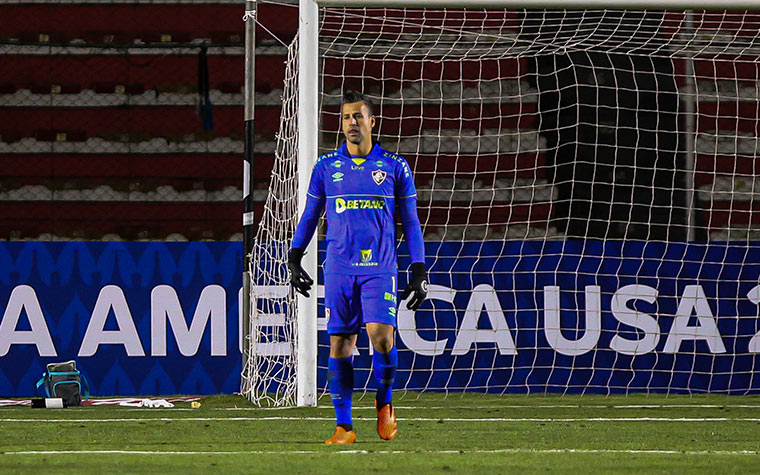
437 408
384 452
684 406
410 419
514 406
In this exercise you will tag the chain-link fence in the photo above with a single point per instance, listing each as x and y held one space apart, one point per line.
125 121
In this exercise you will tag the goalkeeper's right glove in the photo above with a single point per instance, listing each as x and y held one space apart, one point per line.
417 288
298 276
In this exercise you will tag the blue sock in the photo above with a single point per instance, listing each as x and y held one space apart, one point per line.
384 366
340 378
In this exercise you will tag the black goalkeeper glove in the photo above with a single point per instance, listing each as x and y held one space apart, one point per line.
298 276
418 287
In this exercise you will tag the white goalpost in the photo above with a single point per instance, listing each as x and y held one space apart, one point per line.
586 175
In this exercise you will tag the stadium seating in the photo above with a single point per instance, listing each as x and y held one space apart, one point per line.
103 143
79 111
129 220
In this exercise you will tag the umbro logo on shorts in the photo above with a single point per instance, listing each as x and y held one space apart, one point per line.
379 176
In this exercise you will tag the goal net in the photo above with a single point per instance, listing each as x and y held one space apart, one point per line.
586 187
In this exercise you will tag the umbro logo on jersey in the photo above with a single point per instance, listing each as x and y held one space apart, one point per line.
337 176
379 176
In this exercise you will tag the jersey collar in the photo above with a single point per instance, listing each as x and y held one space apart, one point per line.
376 149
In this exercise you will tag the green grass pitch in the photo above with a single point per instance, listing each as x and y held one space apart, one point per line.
470 433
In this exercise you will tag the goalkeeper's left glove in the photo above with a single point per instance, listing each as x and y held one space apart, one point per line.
299 278
418 287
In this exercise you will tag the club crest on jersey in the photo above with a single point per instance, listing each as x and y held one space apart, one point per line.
337 164
379 176
366 255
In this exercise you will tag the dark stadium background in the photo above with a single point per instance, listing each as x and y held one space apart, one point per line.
101 137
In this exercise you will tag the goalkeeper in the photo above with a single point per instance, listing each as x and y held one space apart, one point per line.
361 185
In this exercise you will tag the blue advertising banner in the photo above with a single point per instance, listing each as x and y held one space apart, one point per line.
121 310
582 316
514 316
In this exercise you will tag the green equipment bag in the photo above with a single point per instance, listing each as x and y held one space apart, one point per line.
63 380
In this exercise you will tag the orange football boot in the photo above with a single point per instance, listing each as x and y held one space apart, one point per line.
387 427
341 437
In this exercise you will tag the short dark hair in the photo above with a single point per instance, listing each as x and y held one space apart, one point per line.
349 96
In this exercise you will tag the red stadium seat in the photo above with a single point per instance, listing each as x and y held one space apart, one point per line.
108 37
42 37
235 87
126 136
218 168
154 120
130 220
121 69
85 20
165 37
227 37
7 88
111 87
177 88
55 88
10 136
60 135
185 137
729 214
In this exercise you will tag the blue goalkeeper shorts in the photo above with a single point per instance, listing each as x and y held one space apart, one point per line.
351 300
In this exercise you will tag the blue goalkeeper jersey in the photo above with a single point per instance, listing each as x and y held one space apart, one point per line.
360 195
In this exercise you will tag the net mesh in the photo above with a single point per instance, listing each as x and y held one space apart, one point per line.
268 376
586 186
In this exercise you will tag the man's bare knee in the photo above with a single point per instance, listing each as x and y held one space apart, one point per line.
383 345
382 336
342 345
